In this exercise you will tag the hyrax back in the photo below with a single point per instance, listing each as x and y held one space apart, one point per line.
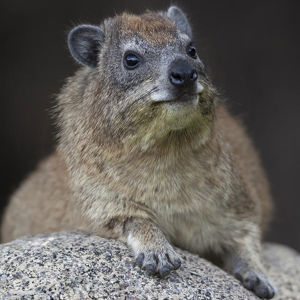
147 155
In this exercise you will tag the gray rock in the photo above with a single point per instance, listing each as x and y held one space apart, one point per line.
76 265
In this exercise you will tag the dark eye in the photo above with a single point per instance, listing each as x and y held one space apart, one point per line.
131 61
191 50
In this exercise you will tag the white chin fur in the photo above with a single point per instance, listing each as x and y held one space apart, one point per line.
165 95
199 88
161 96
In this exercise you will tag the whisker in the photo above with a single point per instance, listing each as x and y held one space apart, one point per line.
148 93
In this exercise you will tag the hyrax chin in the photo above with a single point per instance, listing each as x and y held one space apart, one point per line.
147 155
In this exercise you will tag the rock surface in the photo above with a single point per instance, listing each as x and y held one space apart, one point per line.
77 265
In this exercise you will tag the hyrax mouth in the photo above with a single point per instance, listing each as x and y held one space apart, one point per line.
183 97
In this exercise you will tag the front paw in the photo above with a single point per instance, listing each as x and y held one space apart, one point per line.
160 260
257 283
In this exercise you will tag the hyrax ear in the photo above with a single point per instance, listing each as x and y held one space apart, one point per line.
180 19
85 42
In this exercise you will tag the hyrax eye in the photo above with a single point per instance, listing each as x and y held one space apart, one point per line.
131 60
191 51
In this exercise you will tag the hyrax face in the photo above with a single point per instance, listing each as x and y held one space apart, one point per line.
149 79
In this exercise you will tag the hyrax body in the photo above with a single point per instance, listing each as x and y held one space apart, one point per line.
148 155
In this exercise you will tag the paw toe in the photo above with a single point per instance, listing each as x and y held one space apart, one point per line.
140 259
250 281
264 291
150 268
257 283
174 260
165 270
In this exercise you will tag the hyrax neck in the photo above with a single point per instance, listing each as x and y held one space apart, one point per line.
160 151
135 171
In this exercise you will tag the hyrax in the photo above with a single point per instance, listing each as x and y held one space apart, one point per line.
148 155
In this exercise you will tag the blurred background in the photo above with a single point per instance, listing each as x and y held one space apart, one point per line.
252 50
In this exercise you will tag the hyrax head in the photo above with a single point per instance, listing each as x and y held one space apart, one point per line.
145 79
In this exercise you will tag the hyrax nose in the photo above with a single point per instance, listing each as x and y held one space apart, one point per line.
182 74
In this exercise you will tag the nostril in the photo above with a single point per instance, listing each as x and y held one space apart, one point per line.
176 78
194 75
182 74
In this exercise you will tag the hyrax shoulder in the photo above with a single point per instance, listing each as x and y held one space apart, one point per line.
148 155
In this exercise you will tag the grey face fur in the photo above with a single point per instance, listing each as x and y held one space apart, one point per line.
85 43
160 41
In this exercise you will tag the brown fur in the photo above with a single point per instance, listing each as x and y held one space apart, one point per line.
149 174
149 26
51 182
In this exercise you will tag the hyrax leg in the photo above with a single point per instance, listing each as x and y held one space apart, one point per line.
243 260
152 250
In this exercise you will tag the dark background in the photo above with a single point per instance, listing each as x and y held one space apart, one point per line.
251 47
